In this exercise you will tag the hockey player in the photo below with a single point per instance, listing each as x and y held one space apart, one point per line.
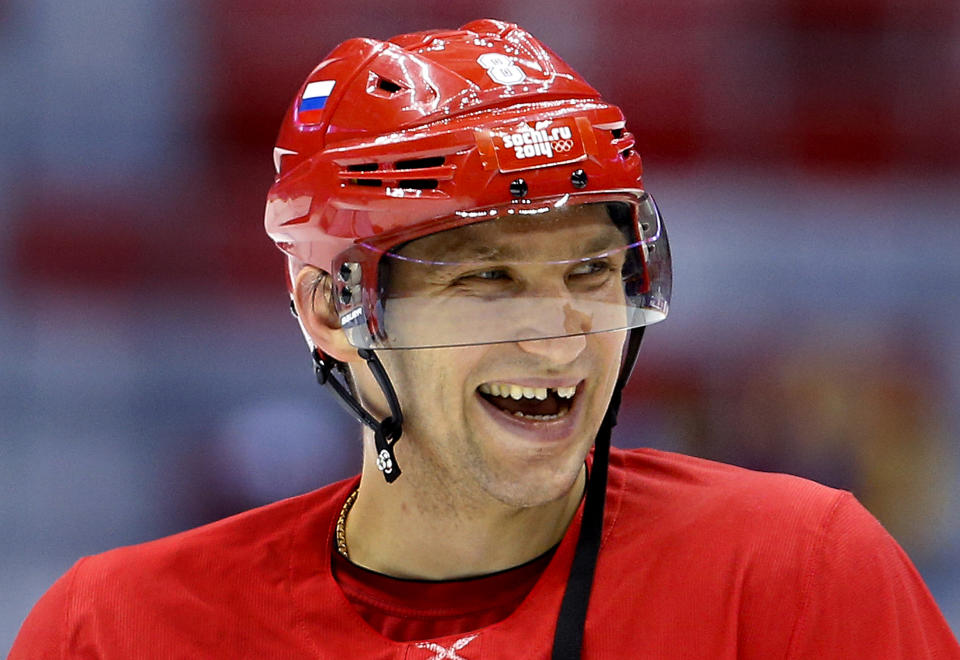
472 258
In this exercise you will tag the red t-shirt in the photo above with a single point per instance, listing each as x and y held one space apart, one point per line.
406 610
698 560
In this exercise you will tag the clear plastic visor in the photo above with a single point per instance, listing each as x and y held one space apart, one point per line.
537 270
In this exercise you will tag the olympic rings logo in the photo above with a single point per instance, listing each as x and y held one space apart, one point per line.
562 146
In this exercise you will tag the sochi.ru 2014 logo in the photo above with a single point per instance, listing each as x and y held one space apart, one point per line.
539 142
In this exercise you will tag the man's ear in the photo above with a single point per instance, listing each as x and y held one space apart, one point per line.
313 302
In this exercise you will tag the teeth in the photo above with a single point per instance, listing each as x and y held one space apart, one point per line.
518 392
566 392
542 418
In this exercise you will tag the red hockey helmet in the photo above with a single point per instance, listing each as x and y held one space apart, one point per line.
388 144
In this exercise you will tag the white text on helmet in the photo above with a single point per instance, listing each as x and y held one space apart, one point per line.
538 142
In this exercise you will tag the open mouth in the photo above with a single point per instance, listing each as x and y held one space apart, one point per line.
536 404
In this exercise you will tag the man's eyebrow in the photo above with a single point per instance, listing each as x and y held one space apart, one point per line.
597 245
475 252
472 251
604 243
464 252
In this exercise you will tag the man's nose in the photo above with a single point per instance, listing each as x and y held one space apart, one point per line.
561 324
558 350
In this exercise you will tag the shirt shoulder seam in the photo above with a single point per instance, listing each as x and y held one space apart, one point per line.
815 558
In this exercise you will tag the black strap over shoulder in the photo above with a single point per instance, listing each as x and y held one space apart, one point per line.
568 637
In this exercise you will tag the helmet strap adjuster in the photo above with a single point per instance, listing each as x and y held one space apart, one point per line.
386 432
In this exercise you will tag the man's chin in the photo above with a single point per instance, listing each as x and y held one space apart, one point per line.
537 485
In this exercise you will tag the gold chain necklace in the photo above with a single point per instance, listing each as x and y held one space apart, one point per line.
342 524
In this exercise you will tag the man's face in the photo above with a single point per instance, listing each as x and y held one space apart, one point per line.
512 420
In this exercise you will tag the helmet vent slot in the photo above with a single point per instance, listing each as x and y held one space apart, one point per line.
623 142
419 184
412 174
419 163
381 87
388 86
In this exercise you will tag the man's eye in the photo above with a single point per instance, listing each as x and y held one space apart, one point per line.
491 274
592 267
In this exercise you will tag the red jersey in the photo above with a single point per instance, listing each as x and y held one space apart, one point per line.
405 610
698 560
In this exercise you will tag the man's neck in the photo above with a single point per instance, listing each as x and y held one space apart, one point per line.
395 530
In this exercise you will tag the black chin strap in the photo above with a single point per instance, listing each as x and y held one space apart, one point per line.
386 432
568 637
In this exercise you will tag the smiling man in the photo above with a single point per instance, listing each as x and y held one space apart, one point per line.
473 258
503 339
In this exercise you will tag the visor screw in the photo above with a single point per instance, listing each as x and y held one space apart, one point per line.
349 272
518 188
345 296
579 179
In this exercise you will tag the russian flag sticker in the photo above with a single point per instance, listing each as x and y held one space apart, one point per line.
314 98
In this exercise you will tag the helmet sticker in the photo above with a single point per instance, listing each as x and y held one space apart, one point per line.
354 317
315 95
501 69
542 144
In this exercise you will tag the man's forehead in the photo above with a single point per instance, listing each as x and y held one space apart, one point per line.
556 234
